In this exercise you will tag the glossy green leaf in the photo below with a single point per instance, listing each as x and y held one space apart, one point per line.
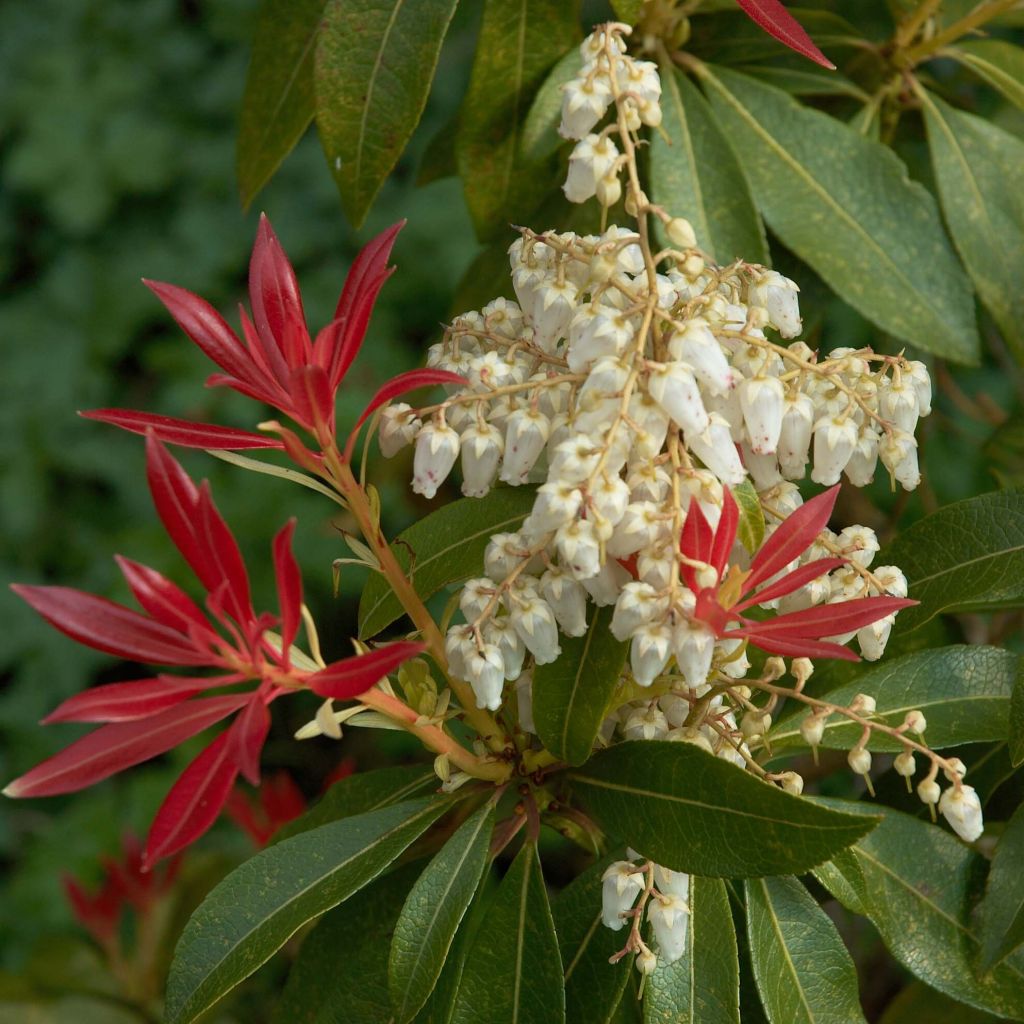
801 81
996 61
920 882
513 972
278 103
917 1004
694 173
325 987
694 812
843 878
963 691
519 42
702 986
433 911
444 547
593 987
968 556
750 530
540 136
571 695
1004 452
361 793
375 60
438 160
1016 727
1002 910
803 971
845 205
261 904
979 170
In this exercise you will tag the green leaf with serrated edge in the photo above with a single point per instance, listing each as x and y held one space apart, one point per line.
997 62
519 42
979 170
694 812
805 82
326 987
572 693
917 1004
361 793
968 556
703 985
375 60
1001 913
920 883
750 530
278 102
963 691
694 173
433 911
593 987
444 547
844 879
540 136
513 972
846 206
1015 740
261 904
803 971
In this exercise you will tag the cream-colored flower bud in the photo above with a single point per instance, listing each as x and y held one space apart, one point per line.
929 792
801 669
859 760
863 704
680 232
915 722
754 724
646 962
792 783
812 729
904 764
955 769
961 807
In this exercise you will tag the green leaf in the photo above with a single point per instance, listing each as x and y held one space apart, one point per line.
1016 727
968 556
433 911
803 971
363 792
918 1004
919 882
540 136
1002 910
1004 451
593 987
513 972
375 60
279 96
843 878
997 62
571 695
261 904
845 205
963 691
750 530
694 812
628 11
438 160
444 547
694 173
519 42
979 169
703 985
325 987
801 81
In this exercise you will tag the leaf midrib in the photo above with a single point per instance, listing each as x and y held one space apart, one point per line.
770 908
566 721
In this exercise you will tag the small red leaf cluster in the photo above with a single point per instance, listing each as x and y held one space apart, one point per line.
778 22
795 634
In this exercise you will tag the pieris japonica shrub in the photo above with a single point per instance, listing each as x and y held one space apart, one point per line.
625 633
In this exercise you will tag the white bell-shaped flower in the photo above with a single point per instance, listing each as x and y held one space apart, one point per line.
573 460
670 917
535 623
638 603
503 554
606 584
649 651
579 548
835 438
482 445
437 448
591 159
526 433
640 526
620 885
899 455
674 388
645 722
654 565
715 447
892 579
476 595
597 332
961 807
672 883
693 645
500 632
899 404
795 435
556 504
398 427
585 101
485 672
919 377
780 297
763 469
609 498
553 306
568 600
697 346
762 401
872 638
860 470
859 544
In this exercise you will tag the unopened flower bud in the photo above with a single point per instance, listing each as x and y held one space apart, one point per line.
859 760
955 769
754 723
961 807
915 722
905 764
646 962
812 729
863 704
792 783
681 233
801 670
929 792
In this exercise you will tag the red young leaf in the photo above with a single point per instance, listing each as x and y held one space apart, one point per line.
312 399
371 262
112 748
275 299
791 581
289 585
778 22
345 680
105 626
164 600
183 432
695 542
221 550
408 381
799 648
193 803
725 533
794 535
125 702
246 737
830 619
